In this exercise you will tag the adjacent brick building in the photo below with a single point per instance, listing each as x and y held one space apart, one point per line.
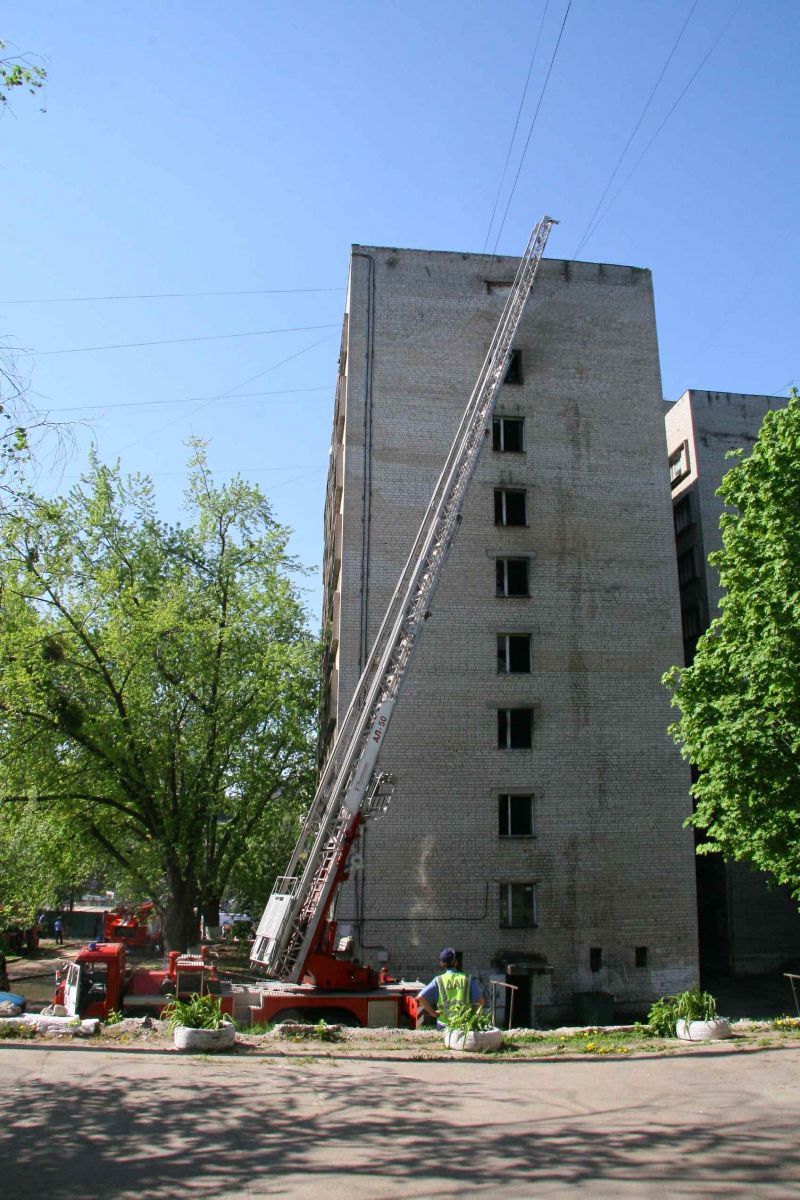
537 820
745 927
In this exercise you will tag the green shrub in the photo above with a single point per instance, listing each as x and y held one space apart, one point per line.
198 1012
693 1005
466 1019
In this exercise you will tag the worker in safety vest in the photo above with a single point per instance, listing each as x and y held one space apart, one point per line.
448 988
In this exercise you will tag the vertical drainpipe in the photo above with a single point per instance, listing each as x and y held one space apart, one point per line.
366 495
366 521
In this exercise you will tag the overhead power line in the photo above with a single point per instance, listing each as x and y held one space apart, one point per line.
516 126
685 89
171 295
212 337
183 416
184 400
532 125
588 230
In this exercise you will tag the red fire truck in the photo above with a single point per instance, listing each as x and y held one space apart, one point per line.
139 928
99 981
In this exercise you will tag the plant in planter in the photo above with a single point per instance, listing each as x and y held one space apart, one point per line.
199 1024
691 1016
468 1028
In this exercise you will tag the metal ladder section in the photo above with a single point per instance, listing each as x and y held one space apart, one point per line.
288 928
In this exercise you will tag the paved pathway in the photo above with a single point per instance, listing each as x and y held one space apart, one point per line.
78 1123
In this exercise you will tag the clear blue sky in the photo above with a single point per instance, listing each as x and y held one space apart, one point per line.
191 146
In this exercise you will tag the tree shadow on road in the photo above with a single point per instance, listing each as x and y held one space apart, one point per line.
255 1126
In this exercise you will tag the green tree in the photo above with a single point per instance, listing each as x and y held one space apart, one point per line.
740 698
19 73
26 433
44 863
158 684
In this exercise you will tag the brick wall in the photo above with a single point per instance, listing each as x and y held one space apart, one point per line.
612 866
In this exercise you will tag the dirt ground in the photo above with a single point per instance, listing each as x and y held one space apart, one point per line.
708 1121
394 1114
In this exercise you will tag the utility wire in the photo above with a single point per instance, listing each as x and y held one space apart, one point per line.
692 78
171 295
226 471
530 131
213 337
588 230
230 391
516 125
184 400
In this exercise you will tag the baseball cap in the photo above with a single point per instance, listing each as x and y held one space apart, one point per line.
447 955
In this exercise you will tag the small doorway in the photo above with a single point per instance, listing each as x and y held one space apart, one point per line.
518 1013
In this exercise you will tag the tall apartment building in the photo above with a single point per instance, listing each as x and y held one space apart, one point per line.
537 819
744 926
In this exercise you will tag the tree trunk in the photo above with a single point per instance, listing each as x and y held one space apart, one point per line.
180 923
210 911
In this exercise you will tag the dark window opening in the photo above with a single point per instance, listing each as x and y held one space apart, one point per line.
515 728
514 371
641 956
682 514
691 622
595 958
687 567
515 816
512 576
513 654
517 905
509 506
507 434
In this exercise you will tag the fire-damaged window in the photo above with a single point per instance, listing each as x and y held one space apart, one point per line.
514 371
515 728
517 905
509 506
515 815
512 576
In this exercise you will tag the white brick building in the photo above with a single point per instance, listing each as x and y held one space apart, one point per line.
745 927
537 820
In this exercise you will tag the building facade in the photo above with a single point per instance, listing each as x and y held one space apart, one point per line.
536 824
745 927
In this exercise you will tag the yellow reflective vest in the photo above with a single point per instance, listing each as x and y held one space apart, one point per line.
454 988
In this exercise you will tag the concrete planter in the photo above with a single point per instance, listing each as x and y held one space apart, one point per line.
703 1031
478 1039
204 1041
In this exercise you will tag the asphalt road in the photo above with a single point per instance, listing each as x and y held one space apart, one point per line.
709 1121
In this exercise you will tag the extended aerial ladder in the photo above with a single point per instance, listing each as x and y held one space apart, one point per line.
290 942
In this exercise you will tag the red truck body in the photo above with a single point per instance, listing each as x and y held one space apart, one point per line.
139 928
98 981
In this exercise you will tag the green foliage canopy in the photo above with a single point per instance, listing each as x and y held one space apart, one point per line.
740 698
158 684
